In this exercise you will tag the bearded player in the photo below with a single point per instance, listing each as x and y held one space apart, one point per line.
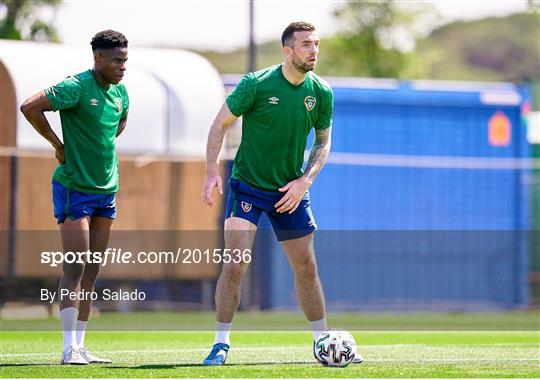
279 106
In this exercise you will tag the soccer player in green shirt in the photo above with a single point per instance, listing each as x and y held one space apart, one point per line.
93 109
279 106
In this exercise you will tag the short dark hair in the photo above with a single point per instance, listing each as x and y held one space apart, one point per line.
299 26
108 39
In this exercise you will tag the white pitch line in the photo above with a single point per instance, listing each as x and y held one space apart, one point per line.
272 349
457 360
294 347
167 351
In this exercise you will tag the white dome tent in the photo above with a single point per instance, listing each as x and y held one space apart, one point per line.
174 94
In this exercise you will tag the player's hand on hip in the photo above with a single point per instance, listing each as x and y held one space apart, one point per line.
212 180
295 191
59 154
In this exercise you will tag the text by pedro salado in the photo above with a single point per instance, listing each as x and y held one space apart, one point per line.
83 295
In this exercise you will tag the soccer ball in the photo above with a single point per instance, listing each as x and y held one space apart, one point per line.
334 348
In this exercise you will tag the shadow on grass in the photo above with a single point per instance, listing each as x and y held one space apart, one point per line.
171 366
29 365
160 366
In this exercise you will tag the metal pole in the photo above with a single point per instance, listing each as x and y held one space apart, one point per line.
251 48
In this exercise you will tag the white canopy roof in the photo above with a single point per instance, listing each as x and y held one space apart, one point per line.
174 94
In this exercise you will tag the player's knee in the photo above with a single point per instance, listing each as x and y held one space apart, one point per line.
233 271
72 274
90 275
306 267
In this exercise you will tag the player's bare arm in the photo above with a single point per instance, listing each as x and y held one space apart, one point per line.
121 126
34 109
296 189
216 135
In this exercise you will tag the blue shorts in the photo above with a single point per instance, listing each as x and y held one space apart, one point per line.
75 205
248 202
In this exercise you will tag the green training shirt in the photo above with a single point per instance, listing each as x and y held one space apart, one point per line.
89 114
277 117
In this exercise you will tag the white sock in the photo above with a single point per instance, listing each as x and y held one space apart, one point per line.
223 330
317 327
81 329
69 325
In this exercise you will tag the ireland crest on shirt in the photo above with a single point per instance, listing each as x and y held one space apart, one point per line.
310 101
118 102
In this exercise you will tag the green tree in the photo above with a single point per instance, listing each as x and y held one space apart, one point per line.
367 43
493 48
533 5
22 21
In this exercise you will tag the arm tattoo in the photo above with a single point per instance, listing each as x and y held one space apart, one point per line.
319 153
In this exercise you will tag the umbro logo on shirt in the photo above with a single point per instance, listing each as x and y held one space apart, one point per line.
93 102
273 100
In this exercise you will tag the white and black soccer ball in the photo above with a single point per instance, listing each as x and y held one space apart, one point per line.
334 348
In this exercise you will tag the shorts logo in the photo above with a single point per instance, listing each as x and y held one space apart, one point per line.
246 206
118 103
310 101
93 102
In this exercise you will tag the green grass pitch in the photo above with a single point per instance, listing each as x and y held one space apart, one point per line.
277 353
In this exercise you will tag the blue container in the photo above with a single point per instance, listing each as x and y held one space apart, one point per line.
423 203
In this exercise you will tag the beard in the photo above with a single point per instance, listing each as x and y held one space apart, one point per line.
304 66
